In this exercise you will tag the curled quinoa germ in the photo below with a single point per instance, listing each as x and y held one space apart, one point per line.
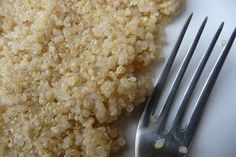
69 68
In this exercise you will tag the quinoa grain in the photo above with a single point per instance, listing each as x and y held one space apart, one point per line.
69 68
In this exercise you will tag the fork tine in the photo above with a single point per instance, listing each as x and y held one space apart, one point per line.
175 124
180 74
193 121
163 75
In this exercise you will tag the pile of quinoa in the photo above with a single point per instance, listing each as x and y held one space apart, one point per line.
70 68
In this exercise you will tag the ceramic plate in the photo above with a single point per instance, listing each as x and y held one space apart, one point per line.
215 136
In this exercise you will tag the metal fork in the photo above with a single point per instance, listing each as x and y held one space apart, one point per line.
152 140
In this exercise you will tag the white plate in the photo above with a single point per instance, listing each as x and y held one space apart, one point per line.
216 134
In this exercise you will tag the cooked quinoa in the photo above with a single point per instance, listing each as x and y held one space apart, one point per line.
69 68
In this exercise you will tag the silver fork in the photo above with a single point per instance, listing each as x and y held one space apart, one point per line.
152 140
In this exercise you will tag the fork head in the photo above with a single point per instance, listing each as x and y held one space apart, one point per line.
151 137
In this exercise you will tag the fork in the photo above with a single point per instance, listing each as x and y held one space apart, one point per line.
152 139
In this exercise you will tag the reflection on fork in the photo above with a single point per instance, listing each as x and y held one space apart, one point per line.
152 140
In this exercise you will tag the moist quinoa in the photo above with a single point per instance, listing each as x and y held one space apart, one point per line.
70 68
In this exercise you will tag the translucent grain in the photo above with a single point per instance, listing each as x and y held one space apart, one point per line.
70 68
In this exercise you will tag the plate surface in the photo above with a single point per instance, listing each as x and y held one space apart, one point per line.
216 133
